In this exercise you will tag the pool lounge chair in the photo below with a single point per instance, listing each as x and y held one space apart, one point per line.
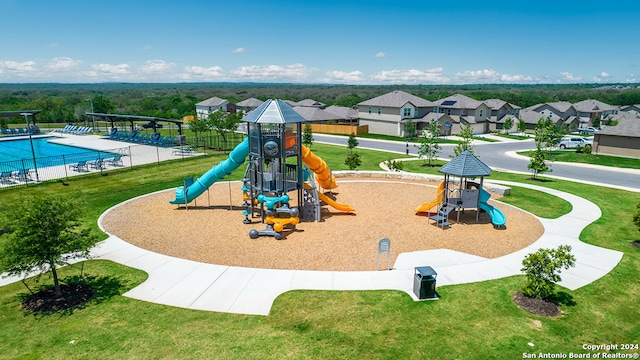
96 164
79 165
5 131
21 131
22 174
5 175
13 131
117 159
169 142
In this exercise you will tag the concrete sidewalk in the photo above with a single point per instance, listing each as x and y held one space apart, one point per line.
194 285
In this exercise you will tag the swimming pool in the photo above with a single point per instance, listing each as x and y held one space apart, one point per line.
16 154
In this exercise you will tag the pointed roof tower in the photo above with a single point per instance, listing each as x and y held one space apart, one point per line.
274 112
466 165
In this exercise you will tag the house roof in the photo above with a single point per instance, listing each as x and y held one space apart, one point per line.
274 112
496 104
591 105
250 102
466 165
314 114
628 125
560 106
459 101
397 99
434 116
310 103
343 112
213 101
532 117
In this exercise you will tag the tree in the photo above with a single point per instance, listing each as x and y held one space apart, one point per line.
522 126
538 164
199 126
44 232
429 146
542 270
547 133
352 143
224 123
410 131
636 217
465 144
103 105
353 161
307 135
596 122
508 124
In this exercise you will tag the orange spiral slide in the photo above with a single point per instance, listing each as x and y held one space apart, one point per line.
320 168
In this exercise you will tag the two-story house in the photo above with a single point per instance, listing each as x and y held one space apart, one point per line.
386 113
466 111
589 110
206 107
500 111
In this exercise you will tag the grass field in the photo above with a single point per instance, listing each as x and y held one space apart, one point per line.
473 321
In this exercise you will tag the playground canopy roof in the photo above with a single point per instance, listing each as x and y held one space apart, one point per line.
274 112
466 165
131 118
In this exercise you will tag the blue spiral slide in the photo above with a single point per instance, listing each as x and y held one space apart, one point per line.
218 172
497 217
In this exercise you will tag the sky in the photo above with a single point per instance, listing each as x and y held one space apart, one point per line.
320 42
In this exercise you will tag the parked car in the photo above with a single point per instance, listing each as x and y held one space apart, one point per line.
588 130
574 142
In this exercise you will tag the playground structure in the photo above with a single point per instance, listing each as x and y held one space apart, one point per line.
278 165
467 195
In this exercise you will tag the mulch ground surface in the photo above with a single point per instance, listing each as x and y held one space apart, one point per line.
46 301
536 306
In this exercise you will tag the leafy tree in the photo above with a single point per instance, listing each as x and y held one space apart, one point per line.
636 217
199 126
522 126
307 135
508 124
542 270
429 146
224 123
537 164
547 133
410 131
465 144
596 122
44 232
353 161
102 104
352 143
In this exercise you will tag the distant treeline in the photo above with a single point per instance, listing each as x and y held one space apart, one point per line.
70 102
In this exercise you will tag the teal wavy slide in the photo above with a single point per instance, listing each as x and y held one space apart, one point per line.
218 172
497 216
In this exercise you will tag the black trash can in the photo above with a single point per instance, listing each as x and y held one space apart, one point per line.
424 283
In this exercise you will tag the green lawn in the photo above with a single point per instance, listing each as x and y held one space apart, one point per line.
594 159
472 321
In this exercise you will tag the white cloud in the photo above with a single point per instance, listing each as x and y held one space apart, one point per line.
275 73
602 77
411 76
344 77
379 54
238 50
567 76
63 64
156 66
18 67
631 78
202 73
489 76
110 70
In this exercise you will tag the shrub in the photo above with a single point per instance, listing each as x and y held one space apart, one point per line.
542 269
394 165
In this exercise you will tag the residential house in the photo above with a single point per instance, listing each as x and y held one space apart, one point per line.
248 105
622 139
315 114
206 107
500 111
635 109
311 103
343 113
589 110
385 114
531 118
466 111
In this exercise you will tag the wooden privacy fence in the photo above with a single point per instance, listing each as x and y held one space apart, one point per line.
340 129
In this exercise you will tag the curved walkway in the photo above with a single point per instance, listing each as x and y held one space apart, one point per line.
189 284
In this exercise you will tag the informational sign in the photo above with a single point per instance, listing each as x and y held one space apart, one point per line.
384 247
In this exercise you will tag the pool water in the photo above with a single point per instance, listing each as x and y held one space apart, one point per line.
16 154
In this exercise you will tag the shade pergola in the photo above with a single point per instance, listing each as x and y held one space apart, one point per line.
22 114
112 118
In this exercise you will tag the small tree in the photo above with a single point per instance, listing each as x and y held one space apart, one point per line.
199 126
636 217
224 123
429 146
307 135
522 126
353 161
596 122
466 133
410 131
508 124
537 164
352 143
44 232
542 269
